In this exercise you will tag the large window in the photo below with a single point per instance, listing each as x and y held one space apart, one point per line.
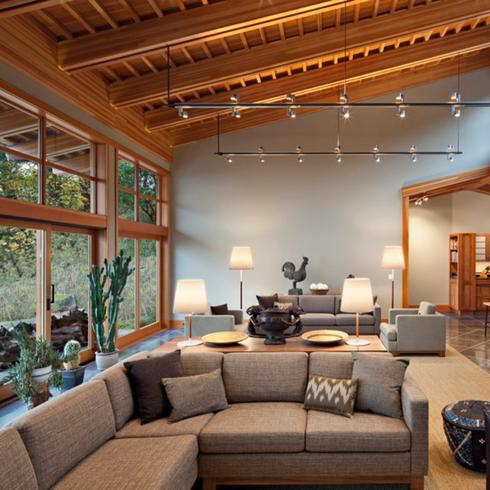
142 194
43 163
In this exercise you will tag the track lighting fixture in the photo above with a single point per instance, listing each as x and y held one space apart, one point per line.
376 155
400 98
234 98
450 153
260 151
235 113
291 113
183 113
338 158
338 153
345 113
229 159
456 108
299 151
401 112
420 200
413 152
290 98
343 98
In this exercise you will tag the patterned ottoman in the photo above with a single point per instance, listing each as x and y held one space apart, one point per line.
464 425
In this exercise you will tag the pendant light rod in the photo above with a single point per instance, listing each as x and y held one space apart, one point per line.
326 105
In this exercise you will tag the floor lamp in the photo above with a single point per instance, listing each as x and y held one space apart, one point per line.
241 259
357 297
190 298
393 259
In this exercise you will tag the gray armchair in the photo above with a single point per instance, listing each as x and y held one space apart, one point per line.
415 330
204 324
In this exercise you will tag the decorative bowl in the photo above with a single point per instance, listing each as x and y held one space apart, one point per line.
320 292
224 338
324 337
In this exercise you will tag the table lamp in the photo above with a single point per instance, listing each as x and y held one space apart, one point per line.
241 259
190 297
357 297
393 259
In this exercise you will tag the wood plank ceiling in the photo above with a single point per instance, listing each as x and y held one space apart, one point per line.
259 49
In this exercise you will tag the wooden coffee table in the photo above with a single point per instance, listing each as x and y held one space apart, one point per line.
293 344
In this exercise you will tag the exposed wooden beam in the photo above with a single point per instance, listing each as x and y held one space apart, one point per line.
9 8
363 90
190 26
315 80
295 50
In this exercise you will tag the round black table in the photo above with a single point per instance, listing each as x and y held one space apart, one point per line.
464 425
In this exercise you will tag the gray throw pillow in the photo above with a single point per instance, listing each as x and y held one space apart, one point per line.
380 380
331 395
195 395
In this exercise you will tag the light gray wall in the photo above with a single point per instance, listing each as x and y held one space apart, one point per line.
19 80
430 226
338 215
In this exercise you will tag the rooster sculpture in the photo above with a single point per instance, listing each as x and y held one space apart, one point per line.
290 272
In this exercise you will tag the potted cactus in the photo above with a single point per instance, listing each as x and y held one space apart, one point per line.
72 373
107 284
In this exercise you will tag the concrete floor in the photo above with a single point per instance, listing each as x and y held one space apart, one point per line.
464 332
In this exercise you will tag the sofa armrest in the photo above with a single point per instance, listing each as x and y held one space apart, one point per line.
238 315
377 317
415 406
393 312
421 333
204 324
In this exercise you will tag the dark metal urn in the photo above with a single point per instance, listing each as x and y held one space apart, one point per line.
274 322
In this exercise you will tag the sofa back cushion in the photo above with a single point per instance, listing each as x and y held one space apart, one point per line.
15 466
426 308
194 363
119 389
66 429
265 377
287 298
331 364
317 304
338 303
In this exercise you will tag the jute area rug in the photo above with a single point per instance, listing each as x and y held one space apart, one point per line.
444 380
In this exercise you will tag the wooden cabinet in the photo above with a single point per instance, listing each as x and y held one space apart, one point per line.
482 293
462 278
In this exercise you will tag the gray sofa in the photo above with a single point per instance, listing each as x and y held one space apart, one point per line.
415 330
203 324
89 437
326 312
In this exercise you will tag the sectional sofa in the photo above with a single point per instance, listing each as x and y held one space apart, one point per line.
89 437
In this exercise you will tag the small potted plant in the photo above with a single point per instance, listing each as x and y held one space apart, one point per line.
72 373
36 369
106 287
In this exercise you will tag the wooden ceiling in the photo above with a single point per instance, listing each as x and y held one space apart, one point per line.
259 49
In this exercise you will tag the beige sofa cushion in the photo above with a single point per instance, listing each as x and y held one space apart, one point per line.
318 319
61 432
256 428
119 389
137 464
163 427
363 432
194 363
317 304
16 471
331 364
276 376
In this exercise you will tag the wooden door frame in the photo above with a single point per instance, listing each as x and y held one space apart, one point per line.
470 180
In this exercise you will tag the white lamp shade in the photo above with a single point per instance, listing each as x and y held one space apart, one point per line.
241 258
393 257
190 296
357 295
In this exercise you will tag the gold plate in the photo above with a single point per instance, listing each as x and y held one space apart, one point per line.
224 338
324 337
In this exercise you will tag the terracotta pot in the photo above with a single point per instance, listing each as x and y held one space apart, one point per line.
41 375
105 360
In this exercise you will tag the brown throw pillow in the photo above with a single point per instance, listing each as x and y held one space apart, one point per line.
195 395
380 380
331 395
145 377
267 301
220 310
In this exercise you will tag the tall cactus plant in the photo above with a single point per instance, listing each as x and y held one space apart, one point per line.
106 287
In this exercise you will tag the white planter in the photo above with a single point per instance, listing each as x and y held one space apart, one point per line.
105 360
41 375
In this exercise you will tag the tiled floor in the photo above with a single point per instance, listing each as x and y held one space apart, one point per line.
465 333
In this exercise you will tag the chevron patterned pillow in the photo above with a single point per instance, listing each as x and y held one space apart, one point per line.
331 395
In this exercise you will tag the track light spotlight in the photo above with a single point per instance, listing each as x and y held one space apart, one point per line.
376 155
183 113
338 158
345 113
234 98
400 98
291 113
413 152
401 112
290 98
229 159
450 153
343 98
235 113
299 151
260 151
456 111
456 97
425 198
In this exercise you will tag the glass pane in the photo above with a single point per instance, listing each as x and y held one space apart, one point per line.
148 183
69 191
18 178
126 205
70 264
126 174
148 211
18 288
127 309
65 149
19 130
148 282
